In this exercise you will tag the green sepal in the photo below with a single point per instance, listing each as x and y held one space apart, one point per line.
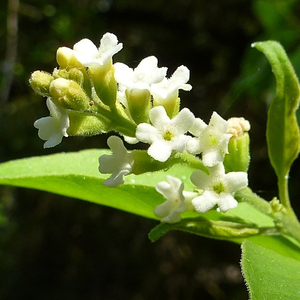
85 124
171 105
139 105
238 157
103 79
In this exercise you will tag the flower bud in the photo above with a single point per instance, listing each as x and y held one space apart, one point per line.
104 83
238 157
139 105
66 59
69 94
40 82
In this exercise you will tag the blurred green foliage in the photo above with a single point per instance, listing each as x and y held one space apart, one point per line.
53 247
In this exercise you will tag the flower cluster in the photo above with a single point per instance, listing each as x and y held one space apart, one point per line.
89 94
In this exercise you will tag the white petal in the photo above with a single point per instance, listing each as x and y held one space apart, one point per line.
86 48
205 202
183 121
123 74
159 117
147 133
212 157
201 179
160 150
148 72
197 127
109 46
193 146
227 202
53 140
180 77
179 143
236 181
218 123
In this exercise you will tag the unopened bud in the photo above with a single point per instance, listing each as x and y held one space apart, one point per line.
238 157
40 82
66 59
69 94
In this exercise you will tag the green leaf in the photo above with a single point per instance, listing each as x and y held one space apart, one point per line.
268 274
76 175
283 135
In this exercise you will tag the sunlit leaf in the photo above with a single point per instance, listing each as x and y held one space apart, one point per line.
268 274
283 136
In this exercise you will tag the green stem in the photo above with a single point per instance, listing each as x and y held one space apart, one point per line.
285 220
246 195
284 194
120 122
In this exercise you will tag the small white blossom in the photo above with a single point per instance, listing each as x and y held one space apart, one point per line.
211 140
52 129
218 188
88 54
177 200
142 77
166 134
168 88
119 164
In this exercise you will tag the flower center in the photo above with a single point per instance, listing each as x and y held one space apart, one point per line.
219 188
168 135
213 140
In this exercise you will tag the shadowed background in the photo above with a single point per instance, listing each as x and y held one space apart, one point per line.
53 247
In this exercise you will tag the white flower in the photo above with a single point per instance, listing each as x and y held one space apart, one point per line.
119 164
168 88
166 134
211 140
142 77
218 188
88 55
52 129
177 200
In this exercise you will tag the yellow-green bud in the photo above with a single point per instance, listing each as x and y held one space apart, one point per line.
40 82
63 73
276 206
104 82
238 157
139 105
69 94
171 104
66 59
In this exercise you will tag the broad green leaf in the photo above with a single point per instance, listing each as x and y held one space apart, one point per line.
268 274
76 175
283 136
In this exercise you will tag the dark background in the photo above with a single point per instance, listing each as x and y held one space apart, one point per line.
53 247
